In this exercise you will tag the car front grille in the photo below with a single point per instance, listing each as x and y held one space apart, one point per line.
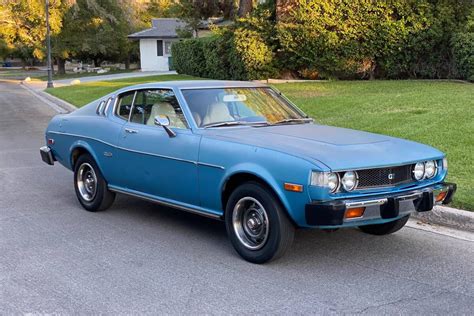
382 177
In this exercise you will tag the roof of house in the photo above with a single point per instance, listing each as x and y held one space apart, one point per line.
161 28
166 27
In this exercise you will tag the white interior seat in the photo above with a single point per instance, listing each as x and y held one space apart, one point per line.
217 112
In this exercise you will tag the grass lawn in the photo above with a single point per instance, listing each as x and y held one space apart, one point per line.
82 94
437 113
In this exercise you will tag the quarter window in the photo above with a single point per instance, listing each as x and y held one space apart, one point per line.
100 108
125 104
157 102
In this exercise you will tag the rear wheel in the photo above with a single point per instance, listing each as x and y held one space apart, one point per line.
90 185
257 224
385 228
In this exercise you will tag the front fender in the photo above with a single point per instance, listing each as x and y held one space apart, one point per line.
260 172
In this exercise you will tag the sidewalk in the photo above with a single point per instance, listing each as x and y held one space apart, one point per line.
41 85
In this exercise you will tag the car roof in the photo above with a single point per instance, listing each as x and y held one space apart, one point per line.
198 84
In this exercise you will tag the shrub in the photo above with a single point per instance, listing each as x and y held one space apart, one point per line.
463 47
239 54
188 57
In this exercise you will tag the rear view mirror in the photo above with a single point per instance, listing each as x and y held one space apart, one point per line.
164 121
234 98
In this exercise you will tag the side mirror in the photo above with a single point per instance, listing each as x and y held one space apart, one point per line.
164 121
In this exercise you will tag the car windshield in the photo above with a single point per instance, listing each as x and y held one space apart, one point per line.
240 106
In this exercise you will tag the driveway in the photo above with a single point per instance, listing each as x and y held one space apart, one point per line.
137 257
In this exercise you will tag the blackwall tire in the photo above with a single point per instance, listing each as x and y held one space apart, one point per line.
257 224
385 228
90 185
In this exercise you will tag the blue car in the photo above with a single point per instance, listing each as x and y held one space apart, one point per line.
243 153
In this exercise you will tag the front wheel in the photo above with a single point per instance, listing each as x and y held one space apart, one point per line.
257 224
385 228
90 185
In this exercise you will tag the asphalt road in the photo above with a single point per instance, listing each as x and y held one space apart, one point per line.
141 258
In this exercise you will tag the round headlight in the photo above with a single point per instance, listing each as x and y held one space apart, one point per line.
419 171
349 180
333 182
430 169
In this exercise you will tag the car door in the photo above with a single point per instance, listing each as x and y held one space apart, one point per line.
154 163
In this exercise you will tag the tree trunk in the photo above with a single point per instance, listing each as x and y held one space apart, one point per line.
61 66
96 62
127 62
245 7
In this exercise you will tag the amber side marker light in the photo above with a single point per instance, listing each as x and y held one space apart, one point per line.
293 187
355 212
441 196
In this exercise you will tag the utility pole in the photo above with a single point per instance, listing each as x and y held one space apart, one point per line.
48 46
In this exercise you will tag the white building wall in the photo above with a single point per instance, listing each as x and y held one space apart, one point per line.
149 59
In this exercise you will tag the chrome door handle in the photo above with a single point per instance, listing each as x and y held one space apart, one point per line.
131 131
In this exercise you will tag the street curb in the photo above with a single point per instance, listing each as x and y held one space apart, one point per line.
448 216
65 107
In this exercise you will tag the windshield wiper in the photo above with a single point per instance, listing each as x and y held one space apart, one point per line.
232 123
294 120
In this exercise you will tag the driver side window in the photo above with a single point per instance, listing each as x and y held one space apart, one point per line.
157 102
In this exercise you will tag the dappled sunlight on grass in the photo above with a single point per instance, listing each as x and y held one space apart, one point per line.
437 113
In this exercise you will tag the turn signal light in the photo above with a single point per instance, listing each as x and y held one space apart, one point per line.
293 187
355 212
441 196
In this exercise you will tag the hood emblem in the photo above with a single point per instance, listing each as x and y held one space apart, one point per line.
391 176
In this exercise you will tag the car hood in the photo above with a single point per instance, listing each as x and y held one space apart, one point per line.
337 148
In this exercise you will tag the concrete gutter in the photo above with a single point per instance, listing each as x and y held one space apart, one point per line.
55 103
448 216
440 215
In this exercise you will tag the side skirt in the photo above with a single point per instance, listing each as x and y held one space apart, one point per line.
168 203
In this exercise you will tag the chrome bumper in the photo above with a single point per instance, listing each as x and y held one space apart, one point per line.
385 207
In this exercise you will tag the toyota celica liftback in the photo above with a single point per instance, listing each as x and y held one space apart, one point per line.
241 152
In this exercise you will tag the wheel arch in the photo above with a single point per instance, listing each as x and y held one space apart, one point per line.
240 177
79 148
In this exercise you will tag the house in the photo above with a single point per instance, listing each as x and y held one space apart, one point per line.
155 43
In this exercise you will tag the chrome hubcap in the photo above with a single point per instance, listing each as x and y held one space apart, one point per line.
86 182
250 223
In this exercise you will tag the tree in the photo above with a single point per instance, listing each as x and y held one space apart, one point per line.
193 12
96 30
245 7
22 25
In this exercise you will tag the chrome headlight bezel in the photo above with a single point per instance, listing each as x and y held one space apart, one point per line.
330 180
419 171
354 177
431 169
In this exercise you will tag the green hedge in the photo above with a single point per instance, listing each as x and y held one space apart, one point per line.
240 54
344 39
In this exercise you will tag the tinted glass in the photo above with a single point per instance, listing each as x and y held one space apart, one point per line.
151 103
210 106
125 104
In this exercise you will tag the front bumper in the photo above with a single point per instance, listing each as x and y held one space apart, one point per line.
381 208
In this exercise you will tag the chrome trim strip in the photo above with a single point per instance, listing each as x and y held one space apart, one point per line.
140 152
125 149
210 165
366 203
409 196
173 205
